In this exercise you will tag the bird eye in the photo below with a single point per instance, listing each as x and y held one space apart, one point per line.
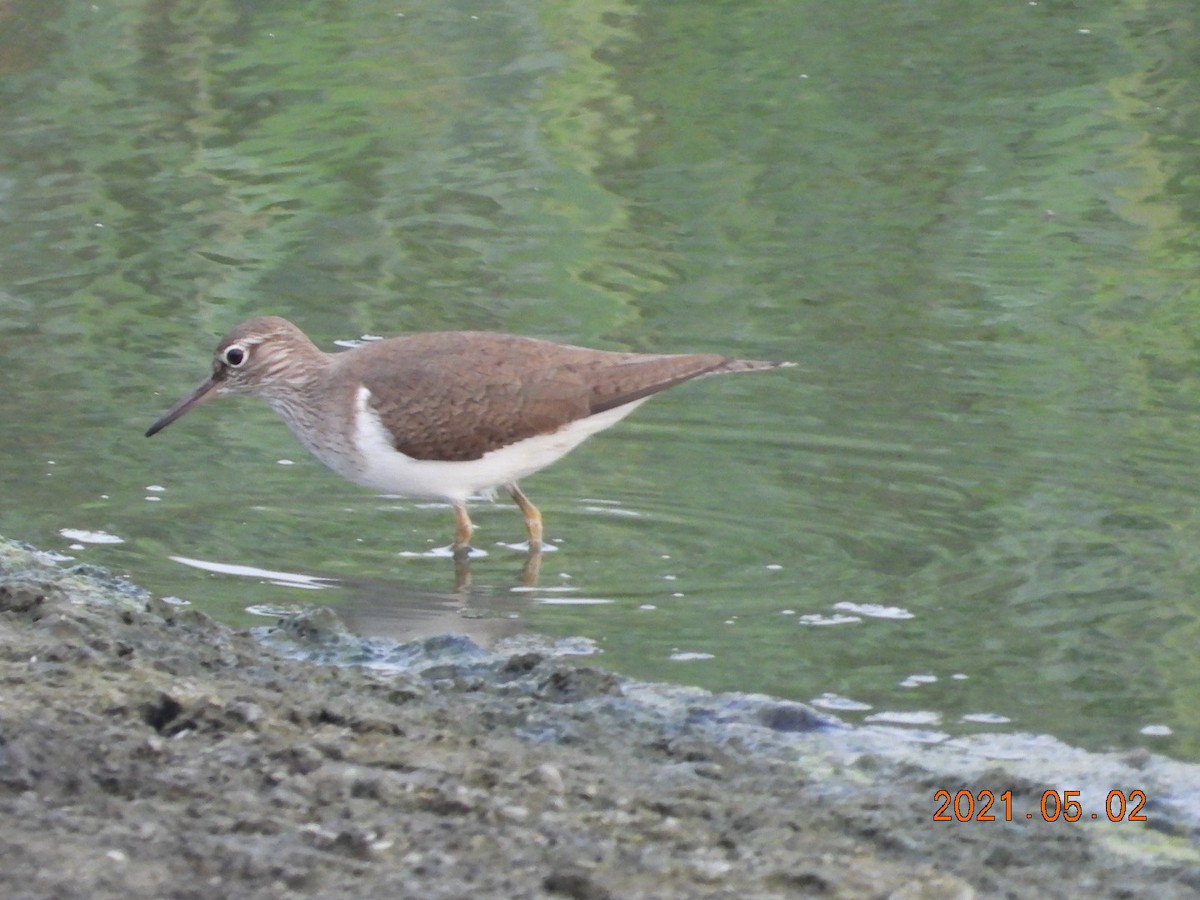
234 356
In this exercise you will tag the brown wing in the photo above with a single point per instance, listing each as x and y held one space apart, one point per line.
458 395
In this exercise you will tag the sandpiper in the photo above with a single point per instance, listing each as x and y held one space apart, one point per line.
443 415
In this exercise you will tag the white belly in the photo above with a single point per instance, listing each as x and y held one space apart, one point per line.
381 466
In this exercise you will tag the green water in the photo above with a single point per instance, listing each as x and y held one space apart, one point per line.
974 226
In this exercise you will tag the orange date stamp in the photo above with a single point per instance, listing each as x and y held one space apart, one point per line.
1055 806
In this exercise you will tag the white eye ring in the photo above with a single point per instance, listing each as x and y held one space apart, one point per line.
235 356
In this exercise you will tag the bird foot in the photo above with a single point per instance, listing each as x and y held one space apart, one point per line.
526 547
450 551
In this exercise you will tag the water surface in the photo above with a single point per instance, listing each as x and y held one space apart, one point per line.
972 507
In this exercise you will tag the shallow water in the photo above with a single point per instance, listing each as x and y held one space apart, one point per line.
970 508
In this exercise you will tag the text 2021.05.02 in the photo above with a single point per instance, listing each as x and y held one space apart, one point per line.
1055 806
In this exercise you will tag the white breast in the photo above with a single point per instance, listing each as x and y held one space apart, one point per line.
381 466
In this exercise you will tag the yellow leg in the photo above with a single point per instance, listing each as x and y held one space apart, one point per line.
533 518
463 528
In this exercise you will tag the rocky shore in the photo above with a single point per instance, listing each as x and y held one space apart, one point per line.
147 751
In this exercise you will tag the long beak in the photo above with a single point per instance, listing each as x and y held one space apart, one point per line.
196 397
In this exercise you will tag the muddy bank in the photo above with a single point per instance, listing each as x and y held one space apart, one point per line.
147 751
